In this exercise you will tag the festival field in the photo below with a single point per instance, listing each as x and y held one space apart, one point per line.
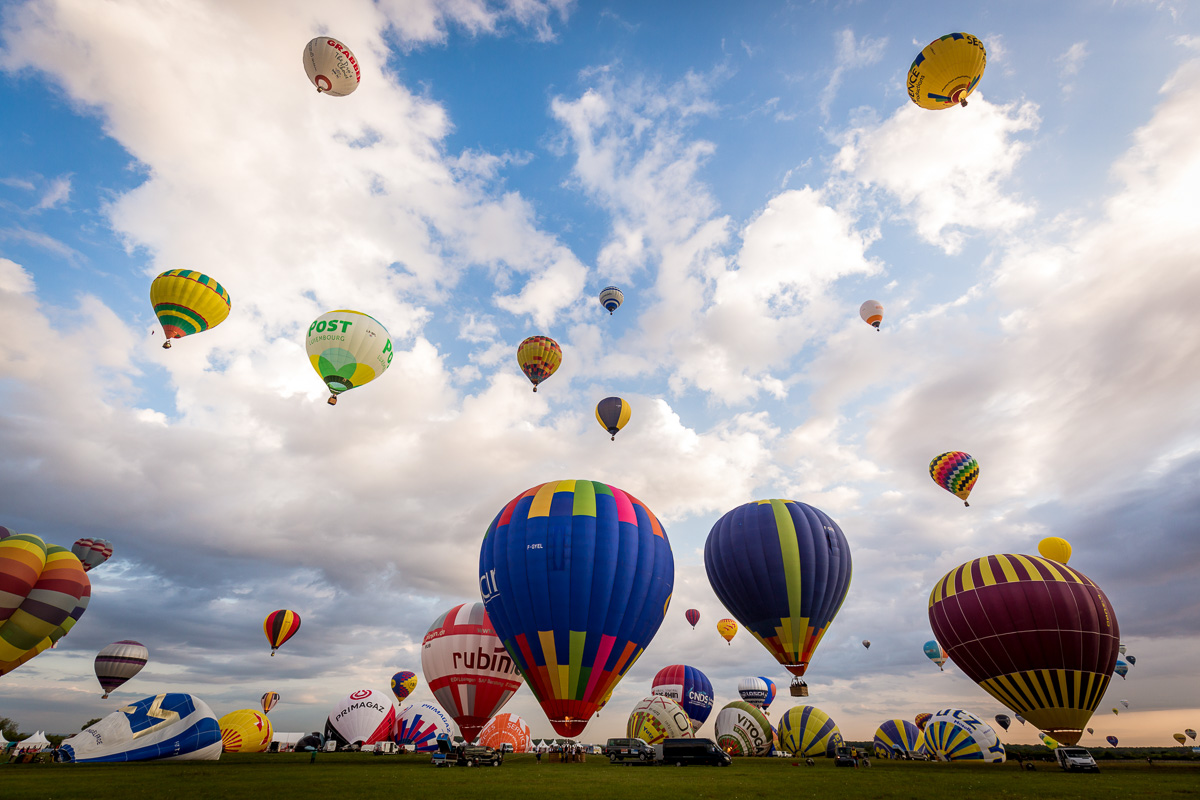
520 778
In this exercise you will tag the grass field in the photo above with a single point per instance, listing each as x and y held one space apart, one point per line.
352 775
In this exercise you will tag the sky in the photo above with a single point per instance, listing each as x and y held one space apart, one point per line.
747 173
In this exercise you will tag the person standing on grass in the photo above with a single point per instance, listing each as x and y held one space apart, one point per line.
538 755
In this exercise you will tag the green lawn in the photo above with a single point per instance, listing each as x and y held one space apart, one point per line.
351 775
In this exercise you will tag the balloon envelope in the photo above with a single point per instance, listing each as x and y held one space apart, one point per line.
331 67
612 413
41 588
403 684
1055 548
506 729
187 302
743 730
92 552
655 718
1111 740
922 720
171 726
1121 668
956 735
898 737
935 653
118 662
1179 737
1003 721
611 298
946 71
687 686
419 725
362 717
576 577
348 349
467 667
269 700
772 690
1037 635
279 626
956 472
692 616
245 731
782 569
872 313
728 629
539 357
753 690
1131 659
808 732
1191 734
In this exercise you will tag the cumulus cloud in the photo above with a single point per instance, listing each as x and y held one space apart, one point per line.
852 53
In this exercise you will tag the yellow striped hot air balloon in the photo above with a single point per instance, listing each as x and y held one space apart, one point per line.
43 592
245 731
728 629
187 302
946 71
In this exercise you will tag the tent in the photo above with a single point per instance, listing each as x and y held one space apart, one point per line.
281 741
36 742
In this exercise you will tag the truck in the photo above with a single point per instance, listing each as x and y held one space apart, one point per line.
632 749
682 752
1075 759
464 755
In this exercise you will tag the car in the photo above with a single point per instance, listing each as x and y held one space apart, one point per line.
465 755
682 752
843 756
1075 759
632 749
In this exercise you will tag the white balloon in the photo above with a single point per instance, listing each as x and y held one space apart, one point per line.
331 66
956 735
362 717
420 725
743 730
754 691
171 727
871 312
655 718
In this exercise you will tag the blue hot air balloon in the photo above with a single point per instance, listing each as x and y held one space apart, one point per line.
898 738
1121 669
782 569
772 690
576 577
689 687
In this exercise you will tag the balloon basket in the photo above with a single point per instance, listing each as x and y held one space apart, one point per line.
798 688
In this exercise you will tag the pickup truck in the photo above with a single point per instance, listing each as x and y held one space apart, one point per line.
1075 759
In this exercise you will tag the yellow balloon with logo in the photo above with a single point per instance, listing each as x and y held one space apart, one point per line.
187 302
245 731
946 71
348 349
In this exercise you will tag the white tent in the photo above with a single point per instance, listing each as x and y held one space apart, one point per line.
287 741
36 742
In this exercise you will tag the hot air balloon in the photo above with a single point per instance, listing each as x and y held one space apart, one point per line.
687 686
946 71
43 592
1115 711
1051 662
279 626
692 616
871 312
1179 737
1055 548
898 737
957 735
1132 660
245 731
655 718
119 662
187 302
1050 742
362 717
956 472
347 349
1191 734
1020 719
922 720
1121 668
507 729
612 413
742 730
331 66
782 569
611 298
269 701
539 357
421 725
1111 740
728 629
576 577
403 684
936 653
753 691
1003 721
1090 731
92 552
772 690
1125 703
467 668
1122 649
180 727
808 732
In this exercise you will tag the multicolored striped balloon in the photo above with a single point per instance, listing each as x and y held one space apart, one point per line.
1037 635
956 472
119 662
807 731
539 357
689 687
898 737
576 576
187 302
92 552
40 587
922 720
404 683
611 298
269 701
692 616
279 626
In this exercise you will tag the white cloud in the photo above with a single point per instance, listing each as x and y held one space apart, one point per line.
1069 64
851 54
59 191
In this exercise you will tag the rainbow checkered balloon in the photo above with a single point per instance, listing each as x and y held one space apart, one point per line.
956 472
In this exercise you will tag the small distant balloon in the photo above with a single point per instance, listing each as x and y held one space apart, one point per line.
1055 548
269 701
936 653
1132 660
1020 719
331 66
946 71
692 616
119 662
1191 734
1090 731
92 552
1121 669
871 312
956 472
612 413
1121 648
403 684
279 626
1125 703
187 302
1179 737
866 643
539 357
922 719
728 629
1003 721
1111 740
611 298
1116 711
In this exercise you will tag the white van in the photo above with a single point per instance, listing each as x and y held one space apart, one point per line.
1075 759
